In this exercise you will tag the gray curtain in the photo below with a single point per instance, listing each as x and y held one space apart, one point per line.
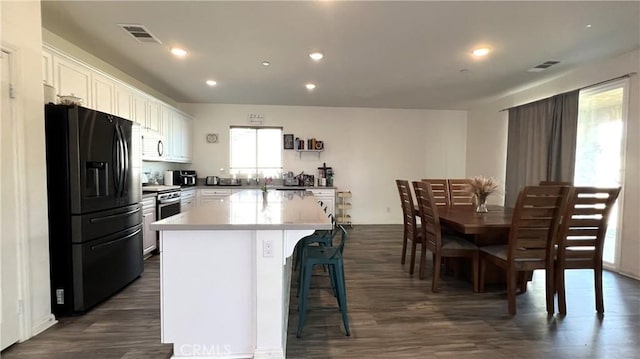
564 129
541 143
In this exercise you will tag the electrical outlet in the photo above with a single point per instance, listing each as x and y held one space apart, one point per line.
267 248
59 296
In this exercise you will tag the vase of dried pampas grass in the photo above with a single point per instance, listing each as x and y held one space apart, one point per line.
481 188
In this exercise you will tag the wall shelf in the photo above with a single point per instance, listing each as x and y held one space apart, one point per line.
300 152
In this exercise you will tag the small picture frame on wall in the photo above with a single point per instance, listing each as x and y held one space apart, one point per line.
288 141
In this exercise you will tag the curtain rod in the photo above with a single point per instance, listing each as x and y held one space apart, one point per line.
579 88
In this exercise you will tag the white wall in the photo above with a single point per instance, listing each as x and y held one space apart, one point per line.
487 140
21 32
368 148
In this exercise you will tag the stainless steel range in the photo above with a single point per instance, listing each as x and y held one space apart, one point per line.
167 200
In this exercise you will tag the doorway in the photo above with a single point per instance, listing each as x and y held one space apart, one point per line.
602 112
9 288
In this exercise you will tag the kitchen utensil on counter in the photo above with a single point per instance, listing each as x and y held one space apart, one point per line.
212 180
144 177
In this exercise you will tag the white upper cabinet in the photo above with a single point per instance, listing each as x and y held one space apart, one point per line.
176 129
71 77
187 139
100 91
166 115
103 93
153 116
140 109
181 138
124 102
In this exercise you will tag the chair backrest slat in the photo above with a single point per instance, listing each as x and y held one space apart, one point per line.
343 237
440 189
430 221
408 208
459 194
555 183
535 223
585 223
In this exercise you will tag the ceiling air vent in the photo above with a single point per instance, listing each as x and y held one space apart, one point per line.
140 33
543 66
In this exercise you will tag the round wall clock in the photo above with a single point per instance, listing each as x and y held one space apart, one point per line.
212 137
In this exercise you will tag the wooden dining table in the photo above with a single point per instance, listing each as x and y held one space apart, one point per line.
482 228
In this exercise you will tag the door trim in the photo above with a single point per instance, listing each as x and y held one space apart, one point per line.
27 329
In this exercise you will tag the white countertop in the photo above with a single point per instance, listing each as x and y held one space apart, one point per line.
246 211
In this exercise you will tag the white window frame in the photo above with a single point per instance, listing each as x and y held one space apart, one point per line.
257 171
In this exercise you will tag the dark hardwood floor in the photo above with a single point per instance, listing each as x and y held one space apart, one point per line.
392 315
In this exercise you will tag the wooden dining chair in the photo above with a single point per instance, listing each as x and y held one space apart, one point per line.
439 244
411 233
459 194
534 226
581 237
440 189
556 183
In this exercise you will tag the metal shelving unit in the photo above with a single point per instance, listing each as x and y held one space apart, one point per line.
344 207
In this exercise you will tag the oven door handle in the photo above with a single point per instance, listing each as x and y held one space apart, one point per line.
169 201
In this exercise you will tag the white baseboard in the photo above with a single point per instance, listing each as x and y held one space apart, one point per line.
43 324
276 353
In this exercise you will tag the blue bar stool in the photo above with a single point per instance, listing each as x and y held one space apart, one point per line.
332 258
323 237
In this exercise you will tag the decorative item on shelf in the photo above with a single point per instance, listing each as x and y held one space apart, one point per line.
481 188
324 175
288 141
255 118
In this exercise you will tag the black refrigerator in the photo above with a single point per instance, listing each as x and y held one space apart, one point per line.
95 215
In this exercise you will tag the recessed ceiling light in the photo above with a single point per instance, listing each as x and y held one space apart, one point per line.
588 26
316 56
266 63
178 51
211 83
480 52
310 86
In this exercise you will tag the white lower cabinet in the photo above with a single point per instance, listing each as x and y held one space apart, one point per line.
207 195
148 217
328 198
188 199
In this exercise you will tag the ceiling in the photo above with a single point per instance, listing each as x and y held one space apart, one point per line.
386 54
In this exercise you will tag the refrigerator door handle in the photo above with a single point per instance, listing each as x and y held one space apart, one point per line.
112 242
122 163
125 147
113 216
115 170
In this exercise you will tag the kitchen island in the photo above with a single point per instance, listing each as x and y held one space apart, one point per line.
225 273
